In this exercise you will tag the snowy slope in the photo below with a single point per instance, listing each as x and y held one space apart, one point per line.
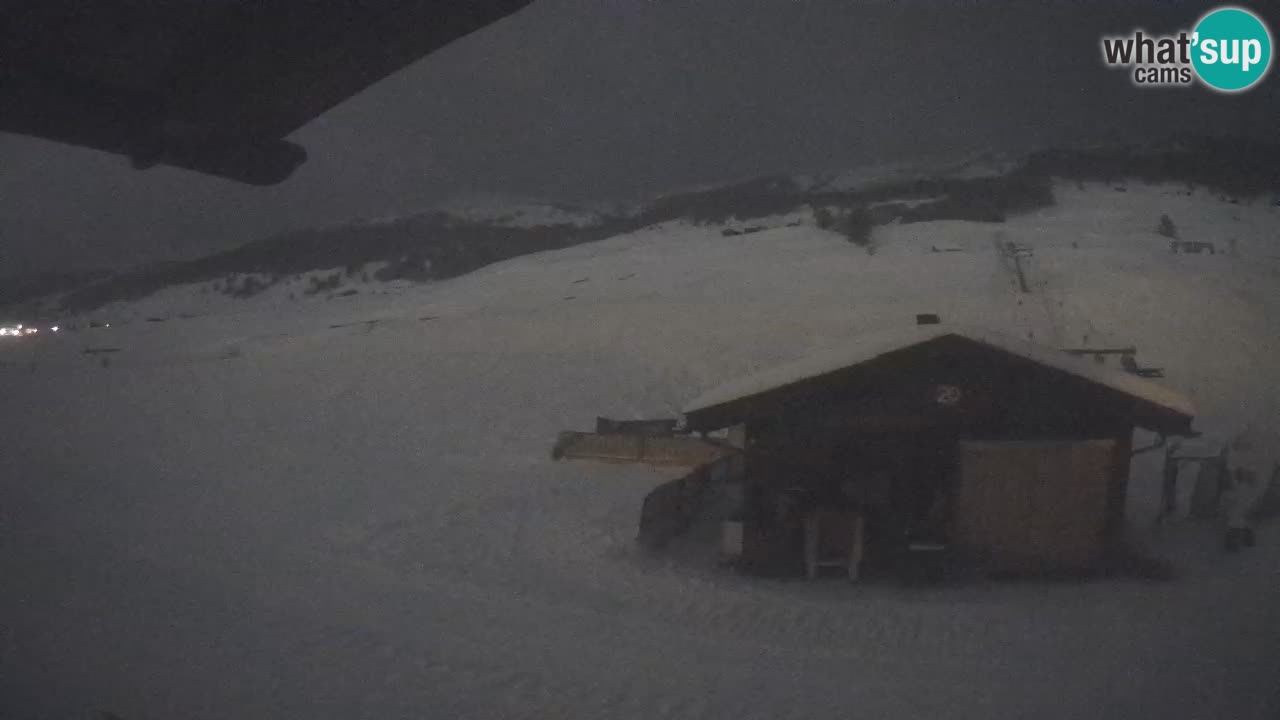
345 508
284 297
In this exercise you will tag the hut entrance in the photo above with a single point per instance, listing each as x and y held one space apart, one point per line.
898 482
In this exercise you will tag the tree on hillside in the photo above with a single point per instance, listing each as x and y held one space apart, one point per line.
857 226
823 218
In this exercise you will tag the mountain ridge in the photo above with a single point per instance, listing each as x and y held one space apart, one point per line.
448 241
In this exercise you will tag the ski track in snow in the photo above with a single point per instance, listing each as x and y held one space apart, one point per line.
363 521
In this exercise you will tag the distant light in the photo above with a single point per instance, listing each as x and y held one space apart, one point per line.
54 328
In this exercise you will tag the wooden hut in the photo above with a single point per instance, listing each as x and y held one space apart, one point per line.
1014 454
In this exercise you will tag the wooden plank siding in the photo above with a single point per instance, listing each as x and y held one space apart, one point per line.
1036 506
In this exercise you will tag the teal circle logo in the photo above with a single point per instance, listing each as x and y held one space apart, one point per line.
1231 49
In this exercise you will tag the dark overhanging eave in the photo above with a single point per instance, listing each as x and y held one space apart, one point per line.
215 87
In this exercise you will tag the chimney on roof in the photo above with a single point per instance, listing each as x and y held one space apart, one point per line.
927 319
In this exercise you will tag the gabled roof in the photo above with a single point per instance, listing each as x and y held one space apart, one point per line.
874 345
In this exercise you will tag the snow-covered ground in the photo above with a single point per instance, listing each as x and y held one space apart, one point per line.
346 508
282 297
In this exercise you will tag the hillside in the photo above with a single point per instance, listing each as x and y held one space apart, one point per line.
454 240
345 507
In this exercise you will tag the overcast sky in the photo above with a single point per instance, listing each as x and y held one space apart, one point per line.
594 100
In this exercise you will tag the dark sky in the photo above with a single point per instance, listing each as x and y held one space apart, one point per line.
595 100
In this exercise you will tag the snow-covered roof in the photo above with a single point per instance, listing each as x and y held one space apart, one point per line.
872 345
